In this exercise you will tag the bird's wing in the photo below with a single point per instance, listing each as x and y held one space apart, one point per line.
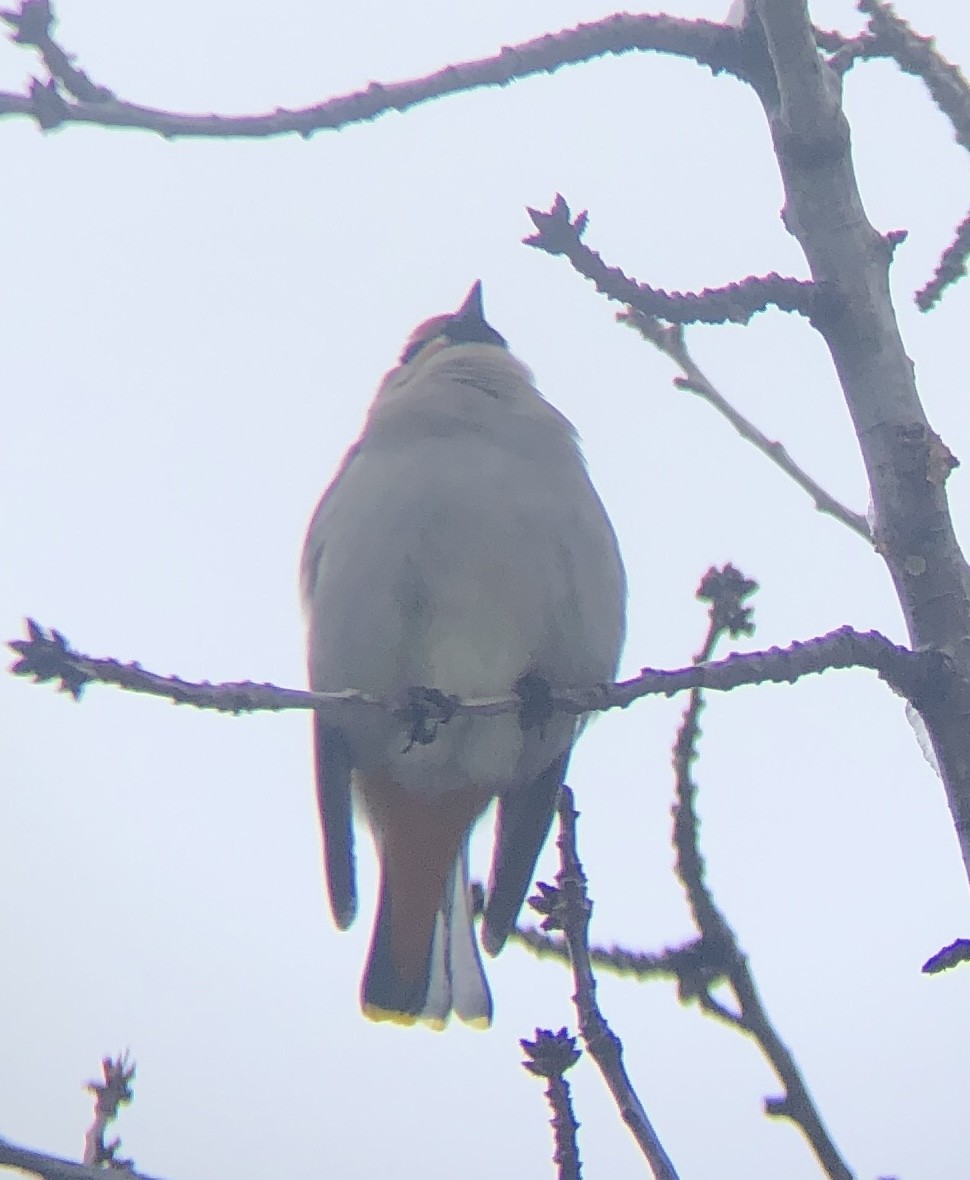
333 770
524 818
332 756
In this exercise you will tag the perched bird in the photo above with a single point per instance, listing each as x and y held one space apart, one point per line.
462 548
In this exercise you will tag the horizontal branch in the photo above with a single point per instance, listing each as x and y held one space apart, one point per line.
559 233
61 99
52 1167
694 966
46 656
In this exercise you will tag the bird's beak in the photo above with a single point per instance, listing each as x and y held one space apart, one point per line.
472 311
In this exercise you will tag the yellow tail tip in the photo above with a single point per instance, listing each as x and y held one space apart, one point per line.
479 1023
408 1019
403 1019
388 1015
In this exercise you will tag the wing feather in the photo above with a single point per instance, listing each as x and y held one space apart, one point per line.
336 820
524 818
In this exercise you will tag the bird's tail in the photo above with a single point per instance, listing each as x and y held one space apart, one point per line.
439 970
424 962
457 979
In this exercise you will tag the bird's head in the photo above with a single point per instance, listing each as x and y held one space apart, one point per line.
467 325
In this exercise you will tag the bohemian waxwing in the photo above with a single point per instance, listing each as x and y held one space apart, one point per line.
460 547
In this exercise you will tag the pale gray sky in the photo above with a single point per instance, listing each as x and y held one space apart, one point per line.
192 332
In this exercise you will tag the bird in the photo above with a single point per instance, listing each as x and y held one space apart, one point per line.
461 548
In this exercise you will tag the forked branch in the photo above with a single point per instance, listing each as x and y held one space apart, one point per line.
749 1016
567 907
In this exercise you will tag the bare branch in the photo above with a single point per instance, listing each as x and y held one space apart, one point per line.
573 907
919 56
846 51
712 1006
751 1018
559 233
950 956
549 1056
718 47
691 964
889 36
951 268
53 1167
32 25
671 342
921 677
113 1092
913 529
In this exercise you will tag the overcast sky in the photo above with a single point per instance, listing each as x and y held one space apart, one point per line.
191 334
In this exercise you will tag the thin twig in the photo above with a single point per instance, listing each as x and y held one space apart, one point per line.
708 1003
846 51
721 49
602 1044
950 269
549 1056
751 1018
920 57
690 961
671 342
46 656
100 1156
110 1094
559 233
950 956
32 24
